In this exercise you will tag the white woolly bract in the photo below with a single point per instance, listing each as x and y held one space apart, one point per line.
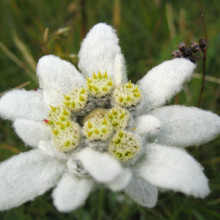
173 168
71 192
121 182
26 176
162 82
186 126
147 124
48 148
120 75
57 77
101 166
23 104
98 51
142 192
31 132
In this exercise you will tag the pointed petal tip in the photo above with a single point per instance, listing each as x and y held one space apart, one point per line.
162 82
101 166
173 169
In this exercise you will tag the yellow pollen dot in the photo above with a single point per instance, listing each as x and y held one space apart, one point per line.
94 76
66 103
89 125
104 122
65 112
89 133
96 88
62 118
110 83
83 91
133 128
55 132
96 131
67 143
73 104
81 98
99 74
121 99
66 97
105 76
104 88
53 108
67 123
104 130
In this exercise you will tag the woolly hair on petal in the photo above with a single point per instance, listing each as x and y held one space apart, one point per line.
186 126
101 166
147 124
161 83
142 192
32 132
26 176
71 192
121 182
23 104
100 52
173 168
57 77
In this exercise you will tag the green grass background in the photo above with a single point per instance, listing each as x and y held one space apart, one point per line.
149 30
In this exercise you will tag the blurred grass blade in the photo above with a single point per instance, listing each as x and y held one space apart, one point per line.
207 78
45 36
11 55
25 52
17 87
17 61
170 19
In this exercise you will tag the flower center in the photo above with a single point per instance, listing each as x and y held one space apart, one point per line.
80 120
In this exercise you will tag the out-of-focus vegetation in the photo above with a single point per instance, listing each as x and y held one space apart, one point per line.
149 30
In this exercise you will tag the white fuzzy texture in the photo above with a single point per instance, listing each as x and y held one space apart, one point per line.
26 176
142 192
120 75
31 132
101 166
173 168
163 81
23 104
186 126
57 77
98 51
121 182
48 148
147 124
71 192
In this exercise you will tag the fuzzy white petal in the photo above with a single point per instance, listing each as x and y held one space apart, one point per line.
48 148
99 50
186 126
101 166
147 124
120 75
23 104
71 192
31 132
57 77
121 181
173 168
142 192
162 82
26 176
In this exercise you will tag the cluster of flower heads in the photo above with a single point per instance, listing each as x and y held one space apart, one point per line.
98 112
105 130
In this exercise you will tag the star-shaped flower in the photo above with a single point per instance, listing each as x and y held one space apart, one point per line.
103 129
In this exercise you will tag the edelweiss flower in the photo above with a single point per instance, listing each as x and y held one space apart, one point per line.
103 129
